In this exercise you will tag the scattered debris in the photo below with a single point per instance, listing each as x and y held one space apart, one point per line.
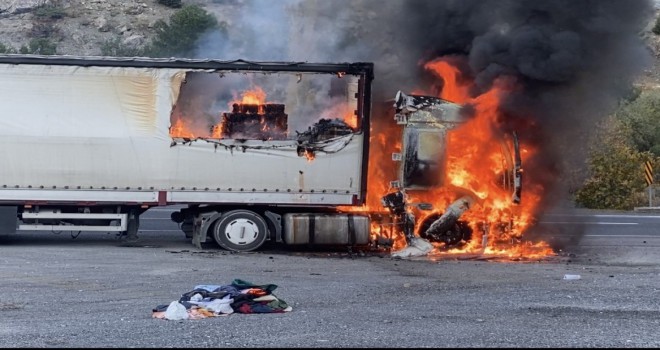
176 311
416 247
571 277
321 133
255 121
406 104
221 300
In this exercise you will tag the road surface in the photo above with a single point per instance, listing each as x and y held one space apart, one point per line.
94 291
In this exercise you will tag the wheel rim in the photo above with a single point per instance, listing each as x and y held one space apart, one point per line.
241 231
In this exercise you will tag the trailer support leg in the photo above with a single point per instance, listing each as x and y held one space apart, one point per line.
132 225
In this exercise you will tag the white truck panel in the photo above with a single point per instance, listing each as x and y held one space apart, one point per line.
107 129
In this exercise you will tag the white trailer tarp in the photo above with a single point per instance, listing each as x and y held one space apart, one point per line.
107 128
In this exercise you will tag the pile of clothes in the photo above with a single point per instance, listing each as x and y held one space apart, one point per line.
221 300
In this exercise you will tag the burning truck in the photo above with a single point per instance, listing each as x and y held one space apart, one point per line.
249 151
456 176
426 122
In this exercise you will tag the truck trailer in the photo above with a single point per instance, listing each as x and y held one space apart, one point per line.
250 151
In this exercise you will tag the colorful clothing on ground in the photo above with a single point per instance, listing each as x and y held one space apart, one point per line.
207 300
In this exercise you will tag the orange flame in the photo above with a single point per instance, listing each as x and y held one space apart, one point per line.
179 129
384 141
182 126
452 90
256 96
217 130
343 111
309 154
350 118
475 163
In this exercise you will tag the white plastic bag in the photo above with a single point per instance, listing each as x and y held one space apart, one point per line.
571 277
176 311
418 247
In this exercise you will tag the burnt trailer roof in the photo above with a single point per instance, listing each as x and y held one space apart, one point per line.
357 68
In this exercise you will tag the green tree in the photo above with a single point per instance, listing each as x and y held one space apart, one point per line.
642 117
179 37
616 170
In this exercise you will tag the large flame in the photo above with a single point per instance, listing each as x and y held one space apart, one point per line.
182 125
476 163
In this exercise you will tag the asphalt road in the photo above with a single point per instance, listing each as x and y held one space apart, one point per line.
94 291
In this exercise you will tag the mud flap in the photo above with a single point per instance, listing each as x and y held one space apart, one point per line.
8 219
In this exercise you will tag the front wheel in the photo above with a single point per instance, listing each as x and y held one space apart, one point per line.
240 230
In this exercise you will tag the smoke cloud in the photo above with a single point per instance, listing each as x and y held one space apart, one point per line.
572 59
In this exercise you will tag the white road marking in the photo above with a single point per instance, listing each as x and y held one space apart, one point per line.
588 223
610 216
628 236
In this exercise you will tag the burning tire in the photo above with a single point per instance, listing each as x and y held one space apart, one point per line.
456 234
240 230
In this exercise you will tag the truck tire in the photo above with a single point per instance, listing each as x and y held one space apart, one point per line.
240 230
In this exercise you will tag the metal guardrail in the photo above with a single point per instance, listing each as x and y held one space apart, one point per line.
654 202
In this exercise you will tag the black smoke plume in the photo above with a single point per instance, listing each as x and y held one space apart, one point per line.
572 60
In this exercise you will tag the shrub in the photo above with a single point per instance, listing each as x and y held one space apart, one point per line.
6 49
616 170
49 12
656 27
180 35
39 47
114 47
44 30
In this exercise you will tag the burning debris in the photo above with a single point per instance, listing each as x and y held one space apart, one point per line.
324 129
405 222
443 228
426 109
199 114
517 171
407 104
254 121
447 228
321 132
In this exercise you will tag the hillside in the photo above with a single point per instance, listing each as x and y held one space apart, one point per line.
83 25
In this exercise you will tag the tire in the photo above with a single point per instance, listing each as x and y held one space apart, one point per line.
460 232
240 231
